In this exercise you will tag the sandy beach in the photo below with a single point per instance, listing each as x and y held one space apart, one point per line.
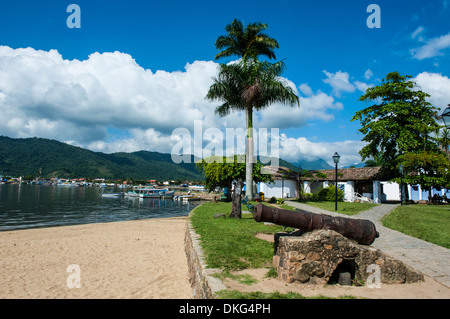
132 259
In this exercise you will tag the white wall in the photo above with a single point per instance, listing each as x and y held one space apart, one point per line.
289 189
391 190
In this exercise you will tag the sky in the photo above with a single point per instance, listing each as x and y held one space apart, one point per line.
132 73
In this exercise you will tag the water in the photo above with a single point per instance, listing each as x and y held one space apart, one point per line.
33 206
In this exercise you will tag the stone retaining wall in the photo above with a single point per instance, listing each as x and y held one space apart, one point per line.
203 284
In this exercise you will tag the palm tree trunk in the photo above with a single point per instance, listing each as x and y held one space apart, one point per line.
249 158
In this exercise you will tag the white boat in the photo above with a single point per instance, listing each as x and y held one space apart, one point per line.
157 193
149 192
111 194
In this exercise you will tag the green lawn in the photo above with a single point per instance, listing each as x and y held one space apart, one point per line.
343 207
229 243
427 222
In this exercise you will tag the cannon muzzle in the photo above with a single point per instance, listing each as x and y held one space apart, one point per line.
360 230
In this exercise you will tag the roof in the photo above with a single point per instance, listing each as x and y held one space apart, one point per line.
279 172
346 174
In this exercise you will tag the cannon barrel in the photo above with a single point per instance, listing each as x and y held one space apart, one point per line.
360 230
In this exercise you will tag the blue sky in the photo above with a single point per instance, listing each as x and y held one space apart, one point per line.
136 70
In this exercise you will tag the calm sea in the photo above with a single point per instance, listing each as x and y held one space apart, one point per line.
32 206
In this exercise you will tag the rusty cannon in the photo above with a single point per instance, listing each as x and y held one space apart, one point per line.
360 230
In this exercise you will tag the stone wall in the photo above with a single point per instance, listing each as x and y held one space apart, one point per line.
319 256
203 284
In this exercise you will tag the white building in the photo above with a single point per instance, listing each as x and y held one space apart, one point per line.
285 184
358 184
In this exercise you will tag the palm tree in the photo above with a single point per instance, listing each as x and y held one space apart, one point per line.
246 43
250 86
245 90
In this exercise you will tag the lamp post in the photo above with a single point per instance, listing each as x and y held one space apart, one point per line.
401 168
336 158
446 116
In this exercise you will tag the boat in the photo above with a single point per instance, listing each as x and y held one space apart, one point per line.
149 192
111 194
157 193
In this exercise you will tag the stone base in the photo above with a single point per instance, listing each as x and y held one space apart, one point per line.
318 257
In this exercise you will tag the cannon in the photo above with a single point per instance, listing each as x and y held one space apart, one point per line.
360 230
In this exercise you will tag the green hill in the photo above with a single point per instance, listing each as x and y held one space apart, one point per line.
22 157
26 156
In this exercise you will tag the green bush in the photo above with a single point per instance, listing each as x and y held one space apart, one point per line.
328 194
280 201
325 194
273 200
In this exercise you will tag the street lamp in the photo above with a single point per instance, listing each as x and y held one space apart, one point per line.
401 169
336 158
446 116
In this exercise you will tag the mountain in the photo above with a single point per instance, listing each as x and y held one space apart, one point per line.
316 164
28 156
21 157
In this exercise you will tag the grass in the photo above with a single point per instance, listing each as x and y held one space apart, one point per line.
235 294
345 208
427 222
230 244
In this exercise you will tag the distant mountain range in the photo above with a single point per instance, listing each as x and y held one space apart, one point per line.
28 156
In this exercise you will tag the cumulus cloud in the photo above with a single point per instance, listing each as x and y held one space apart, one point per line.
339 82
81 102
432 48
293 149
437 85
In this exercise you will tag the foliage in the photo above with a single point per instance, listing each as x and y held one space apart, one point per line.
400 121
248 84
246 42
21 157
222 171
329 194
428 169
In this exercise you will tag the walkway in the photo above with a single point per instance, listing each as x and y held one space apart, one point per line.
430 259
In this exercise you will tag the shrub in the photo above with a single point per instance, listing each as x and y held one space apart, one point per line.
328 194
273 200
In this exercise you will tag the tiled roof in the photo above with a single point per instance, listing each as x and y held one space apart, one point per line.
346 174
279 172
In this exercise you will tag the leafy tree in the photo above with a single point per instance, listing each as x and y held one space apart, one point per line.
427 169
246 87
400 121
222 172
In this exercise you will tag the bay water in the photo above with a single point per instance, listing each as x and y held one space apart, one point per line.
33 206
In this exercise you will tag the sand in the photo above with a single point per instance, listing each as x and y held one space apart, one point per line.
429 289
132 259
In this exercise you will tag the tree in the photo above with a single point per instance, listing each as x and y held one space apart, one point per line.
222 172
250 86
246 43
400 121
427 169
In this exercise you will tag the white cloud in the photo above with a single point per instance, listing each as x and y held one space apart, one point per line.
368 74
437 85
432 48
306 89
417 32
293 149
339 81
42 94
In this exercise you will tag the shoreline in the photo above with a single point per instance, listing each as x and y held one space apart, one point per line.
124 259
